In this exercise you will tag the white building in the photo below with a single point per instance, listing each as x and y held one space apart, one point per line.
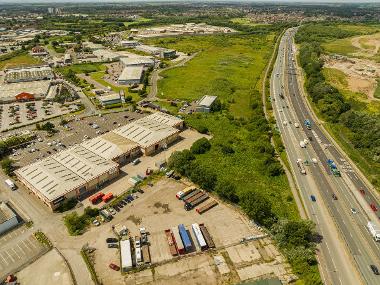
8 218
136 61
157 51
131 75
129 44
205 103
106 55
27 74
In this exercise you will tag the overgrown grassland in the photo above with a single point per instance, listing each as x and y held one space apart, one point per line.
341 46
377 91
226 66
84 68
22 59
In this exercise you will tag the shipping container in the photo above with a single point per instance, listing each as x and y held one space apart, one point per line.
185 192
126 256
171 242
146 254
191 205
192 194
96 198
185 238
206 235
193 198
107 197
207 207
178 240
199 236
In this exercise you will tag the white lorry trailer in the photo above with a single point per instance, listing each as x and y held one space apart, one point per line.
374 230
302 144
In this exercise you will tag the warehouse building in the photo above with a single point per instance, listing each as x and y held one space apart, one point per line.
38 51
166 119
73 173
106 55
129 44
27 74
137 61
16 91
150 135
131 75
205 103
8 218
157 51
112 146
110 99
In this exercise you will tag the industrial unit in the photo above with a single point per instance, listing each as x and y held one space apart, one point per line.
110 99
157 51
27 74
150 135
16 91
8 218
166 119
131 75
106 55
137 61
72 173
205 103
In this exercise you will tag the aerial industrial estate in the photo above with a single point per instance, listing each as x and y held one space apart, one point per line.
189 143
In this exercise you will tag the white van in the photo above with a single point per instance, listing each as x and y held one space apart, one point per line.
10 184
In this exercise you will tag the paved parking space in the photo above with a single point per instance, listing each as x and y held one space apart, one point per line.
16 114
15 254
12 234
73 133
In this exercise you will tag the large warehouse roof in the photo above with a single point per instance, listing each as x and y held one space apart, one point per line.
146 132
164 118
84 162
131 73
10 90
143 60
28 74
110 145
50 178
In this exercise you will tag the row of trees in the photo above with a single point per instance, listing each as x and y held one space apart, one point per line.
363 127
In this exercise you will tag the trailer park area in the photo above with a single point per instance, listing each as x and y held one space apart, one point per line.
241 250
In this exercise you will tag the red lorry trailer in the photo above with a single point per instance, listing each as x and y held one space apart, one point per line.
193 198
206 235
107 197
191 205
171 242
96 198
206 207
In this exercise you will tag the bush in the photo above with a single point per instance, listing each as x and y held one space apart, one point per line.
7 166
202 176
180 161
67 205
200 146
75 224
226 190
202 129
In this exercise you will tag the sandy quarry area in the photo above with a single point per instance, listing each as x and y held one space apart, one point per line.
361 73
368 45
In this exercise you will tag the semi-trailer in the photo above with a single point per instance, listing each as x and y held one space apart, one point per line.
185 238
96 198
146 254
178 240
191 205
193 198
185 192
126 256
192 194
206 207
199 237
374 230
171 242
206 235
107 197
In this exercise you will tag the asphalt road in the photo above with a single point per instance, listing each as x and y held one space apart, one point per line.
346 243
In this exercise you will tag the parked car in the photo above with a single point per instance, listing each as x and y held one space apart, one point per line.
374 269
114 267
312 198
113 245
136 161
111 240
334 197
96 223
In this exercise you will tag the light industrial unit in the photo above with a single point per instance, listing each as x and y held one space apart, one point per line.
137 61
72 173
26 74
131 75
205 103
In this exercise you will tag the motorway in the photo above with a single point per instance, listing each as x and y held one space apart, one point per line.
347 249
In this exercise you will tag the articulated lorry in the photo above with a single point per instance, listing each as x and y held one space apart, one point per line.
374 230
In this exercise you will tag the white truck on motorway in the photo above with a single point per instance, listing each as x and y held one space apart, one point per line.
374 230
10 184
302 144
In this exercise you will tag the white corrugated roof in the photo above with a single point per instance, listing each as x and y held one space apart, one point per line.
146 132
164 118
50 178
143 60
84 162
110 145
207 100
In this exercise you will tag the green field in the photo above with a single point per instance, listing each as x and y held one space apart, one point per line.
341 46
226 66
138 21
377 91
247 22
84 68
19 60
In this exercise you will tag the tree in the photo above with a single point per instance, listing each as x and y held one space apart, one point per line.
294 233
200 146
48 127
180 161
258 208
203 176
216 106
226 190
7 166
128 98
